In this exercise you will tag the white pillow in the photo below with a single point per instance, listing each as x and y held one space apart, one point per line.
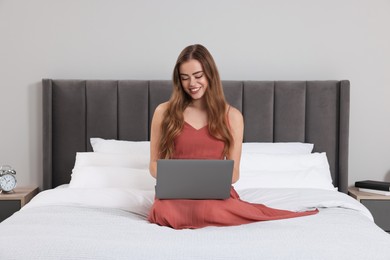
278 148
120 146
111 177
284 171
132 160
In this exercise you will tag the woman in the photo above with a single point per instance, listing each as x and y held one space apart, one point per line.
198 123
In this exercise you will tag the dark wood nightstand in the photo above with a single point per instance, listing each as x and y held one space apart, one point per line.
14 201
379 205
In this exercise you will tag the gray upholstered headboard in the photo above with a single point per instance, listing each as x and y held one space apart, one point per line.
274 111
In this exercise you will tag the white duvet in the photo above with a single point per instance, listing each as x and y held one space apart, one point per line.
72 223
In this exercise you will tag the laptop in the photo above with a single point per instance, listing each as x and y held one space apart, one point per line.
194 179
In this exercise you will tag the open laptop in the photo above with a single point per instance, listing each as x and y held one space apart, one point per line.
194 179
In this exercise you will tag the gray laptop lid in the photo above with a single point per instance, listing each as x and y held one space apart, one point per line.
194 179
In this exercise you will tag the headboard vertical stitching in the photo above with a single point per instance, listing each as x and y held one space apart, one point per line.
242 105
273 110
149 113
337 166
117 109
86 115
305 117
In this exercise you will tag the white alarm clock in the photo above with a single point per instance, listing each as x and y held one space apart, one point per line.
7 178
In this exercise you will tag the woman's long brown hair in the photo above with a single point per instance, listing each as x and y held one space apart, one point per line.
173 121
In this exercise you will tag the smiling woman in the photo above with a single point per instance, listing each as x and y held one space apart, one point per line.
198 123
198 100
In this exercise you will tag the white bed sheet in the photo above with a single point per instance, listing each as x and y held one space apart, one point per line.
111 224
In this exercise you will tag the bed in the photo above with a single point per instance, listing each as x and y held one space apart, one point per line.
97 190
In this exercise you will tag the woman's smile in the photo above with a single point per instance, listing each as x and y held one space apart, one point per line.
195 90
193 79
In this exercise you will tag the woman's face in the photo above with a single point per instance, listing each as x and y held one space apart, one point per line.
193 79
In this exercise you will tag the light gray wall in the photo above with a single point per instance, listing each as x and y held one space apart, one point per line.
250 40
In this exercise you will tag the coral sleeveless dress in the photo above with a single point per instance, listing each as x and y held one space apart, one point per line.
199 144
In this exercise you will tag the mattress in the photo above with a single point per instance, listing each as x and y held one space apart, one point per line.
110 223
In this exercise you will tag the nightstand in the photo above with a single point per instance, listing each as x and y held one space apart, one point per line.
14 201
378 205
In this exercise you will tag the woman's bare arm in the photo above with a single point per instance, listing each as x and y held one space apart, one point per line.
155 134
236 122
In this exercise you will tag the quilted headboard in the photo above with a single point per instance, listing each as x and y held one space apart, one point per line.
274 111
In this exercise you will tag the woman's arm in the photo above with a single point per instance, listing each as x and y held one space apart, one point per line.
155 135
236 122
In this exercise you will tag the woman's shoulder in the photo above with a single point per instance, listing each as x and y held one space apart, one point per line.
234 115
161 108
160 111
